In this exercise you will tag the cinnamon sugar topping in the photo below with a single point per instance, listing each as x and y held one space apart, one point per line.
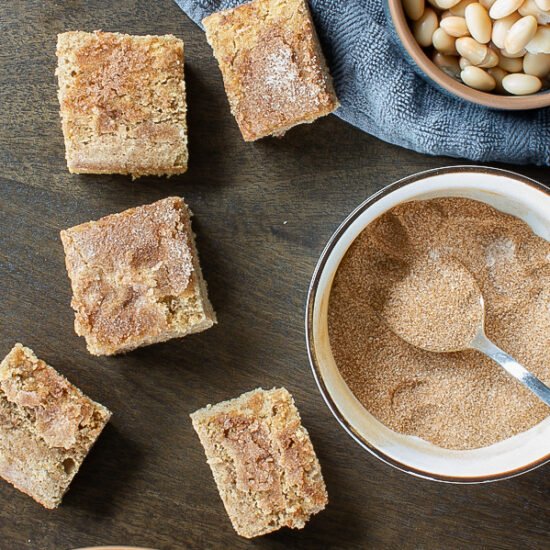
136 278
455 400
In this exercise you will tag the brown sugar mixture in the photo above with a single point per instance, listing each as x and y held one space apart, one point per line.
459 400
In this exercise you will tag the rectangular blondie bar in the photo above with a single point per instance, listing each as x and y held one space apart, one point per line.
122 103
47 427
274 71
136 278
263 462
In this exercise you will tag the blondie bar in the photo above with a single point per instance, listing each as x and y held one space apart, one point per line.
274 71
47 427
136 278
263 462
122 103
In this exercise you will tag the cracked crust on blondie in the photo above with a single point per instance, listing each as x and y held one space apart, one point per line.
47 427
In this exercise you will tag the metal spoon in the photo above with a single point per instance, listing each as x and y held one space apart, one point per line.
509 364
438 293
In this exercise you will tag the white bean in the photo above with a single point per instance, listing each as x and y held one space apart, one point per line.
541 41
501 28
503 8
478 78
424 28
530 7
414 8
470 49
479 23
498 74
460 8
443 42
504 52
537 64
446 4
501 45
432 3
521 84
512 65
448 64
455 26
491 60
520 34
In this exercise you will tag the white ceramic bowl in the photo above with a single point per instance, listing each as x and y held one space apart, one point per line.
503 190
113 548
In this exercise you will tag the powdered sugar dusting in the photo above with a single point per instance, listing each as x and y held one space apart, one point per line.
283 85
283 71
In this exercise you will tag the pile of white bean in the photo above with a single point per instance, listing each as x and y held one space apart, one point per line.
490 45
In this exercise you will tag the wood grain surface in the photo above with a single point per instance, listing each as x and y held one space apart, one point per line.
263 213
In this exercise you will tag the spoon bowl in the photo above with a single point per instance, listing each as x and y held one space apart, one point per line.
438 306
434 304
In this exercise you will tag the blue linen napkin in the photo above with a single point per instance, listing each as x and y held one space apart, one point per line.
382 94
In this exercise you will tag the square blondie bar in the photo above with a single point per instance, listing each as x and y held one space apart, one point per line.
274 71
263 462
136 278
122 102
47 427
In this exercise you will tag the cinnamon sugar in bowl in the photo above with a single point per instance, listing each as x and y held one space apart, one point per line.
449 417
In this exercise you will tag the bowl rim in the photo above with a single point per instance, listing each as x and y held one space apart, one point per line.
309 337
438 77
113 547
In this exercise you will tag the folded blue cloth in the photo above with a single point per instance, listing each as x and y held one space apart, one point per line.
383 95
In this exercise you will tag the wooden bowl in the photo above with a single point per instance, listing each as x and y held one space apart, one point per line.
436 75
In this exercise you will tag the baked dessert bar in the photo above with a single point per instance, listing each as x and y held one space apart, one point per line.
122 103
274 71
47 427
262 460
136 278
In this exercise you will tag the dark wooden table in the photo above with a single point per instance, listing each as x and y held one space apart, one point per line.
263 213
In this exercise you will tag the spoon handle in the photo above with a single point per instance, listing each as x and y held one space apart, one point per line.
510 365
